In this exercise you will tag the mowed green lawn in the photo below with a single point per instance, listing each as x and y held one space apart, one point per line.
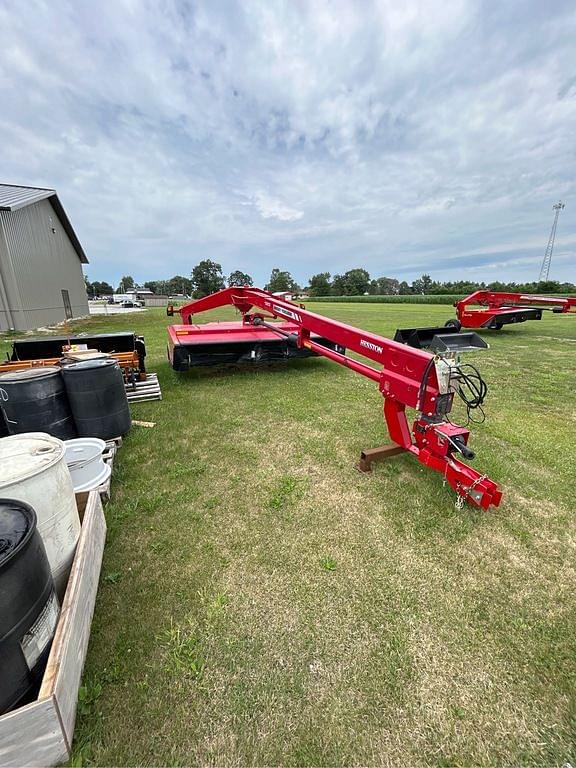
263 603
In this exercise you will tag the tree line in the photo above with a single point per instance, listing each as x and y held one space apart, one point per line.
207 277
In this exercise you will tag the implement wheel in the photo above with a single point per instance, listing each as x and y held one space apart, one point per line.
453 323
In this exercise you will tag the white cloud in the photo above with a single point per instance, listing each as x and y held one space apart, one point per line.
271 208
310 136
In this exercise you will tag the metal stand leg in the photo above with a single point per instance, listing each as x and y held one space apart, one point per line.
378 454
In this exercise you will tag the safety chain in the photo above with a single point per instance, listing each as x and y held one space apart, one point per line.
461 497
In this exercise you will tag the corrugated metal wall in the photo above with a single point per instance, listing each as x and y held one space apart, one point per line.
44 263
6 322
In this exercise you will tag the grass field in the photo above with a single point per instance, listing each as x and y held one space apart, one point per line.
262 603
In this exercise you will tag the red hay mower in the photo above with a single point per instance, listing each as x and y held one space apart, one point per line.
408 376
488 309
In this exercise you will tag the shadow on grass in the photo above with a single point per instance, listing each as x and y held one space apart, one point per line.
228 370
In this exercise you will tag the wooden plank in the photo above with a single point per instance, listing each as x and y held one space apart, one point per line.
104 491
32 735
143 382
66 661
150 379
144 385
86 354
144 396
81 501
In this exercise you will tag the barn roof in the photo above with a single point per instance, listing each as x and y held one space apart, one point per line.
13 197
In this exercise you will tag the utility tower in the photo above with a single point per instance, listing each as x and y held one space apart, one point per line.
545 268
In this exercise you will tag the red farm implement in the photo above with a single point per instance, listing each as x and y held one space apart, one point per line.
407 377
487 309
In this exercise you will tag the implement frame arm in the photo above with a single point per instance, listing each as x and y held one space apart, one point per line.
407 377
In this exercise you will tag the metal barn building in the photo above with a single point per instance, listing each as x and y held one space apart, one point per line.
41 280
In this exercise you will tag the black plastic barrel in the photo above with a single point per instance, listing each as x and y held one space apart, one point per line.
35 400
3 428
28 605
97 398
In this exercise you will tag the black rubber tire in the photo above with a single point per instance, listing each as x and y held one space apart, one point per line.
453 323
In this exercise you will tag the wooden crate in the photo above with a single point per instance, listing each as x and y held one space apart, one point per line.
41 732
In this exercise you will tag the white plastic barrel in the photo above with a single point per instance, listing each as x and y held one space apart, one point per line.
33 469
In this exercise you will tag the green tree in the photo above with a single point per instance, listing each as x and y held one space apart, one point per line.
179 284
320 284
457 287
207 278
422 284
338 286
549 286
126 284
358 281
281 281
355 282
176 284
384 286
238 279
404 289
101 288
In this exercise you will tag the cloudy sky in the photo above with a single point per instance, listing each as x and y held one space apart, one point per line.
310 135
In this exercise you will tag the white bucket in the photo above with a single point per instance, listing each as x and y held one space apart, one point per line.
33 469
85 462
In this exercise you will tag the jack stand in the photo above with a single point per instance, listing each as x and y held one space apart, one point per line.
378 454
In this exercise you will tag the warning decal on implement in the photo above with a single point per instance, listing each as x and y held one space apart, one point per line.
286 313
41 632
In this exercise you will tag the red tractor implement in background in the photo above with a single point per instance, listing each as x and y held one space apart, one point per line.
488 309
407 377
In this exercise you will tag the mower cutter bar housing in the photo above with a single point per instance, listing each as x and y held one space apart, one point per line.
208 344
